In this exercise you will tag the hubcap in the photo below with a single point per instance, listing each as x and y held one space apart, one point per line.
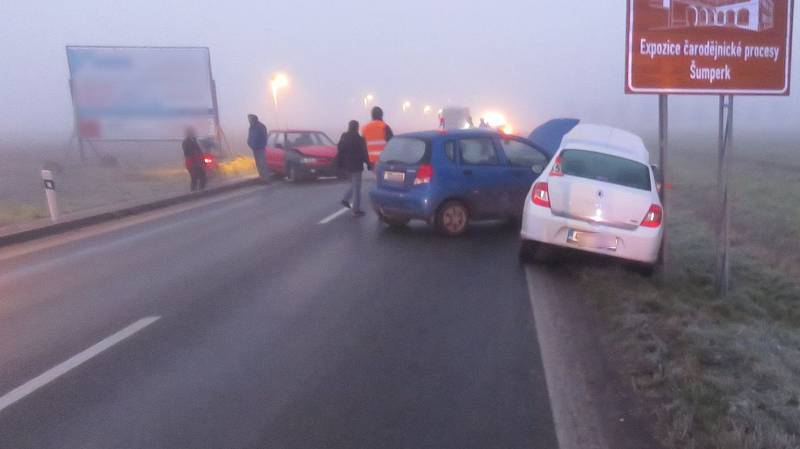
455 218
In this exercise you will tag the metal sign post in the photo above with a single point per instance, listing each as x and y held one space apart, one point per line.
663 140
723 211
709 47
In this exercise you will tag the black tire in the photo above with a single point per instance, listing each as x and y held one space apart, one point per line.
452 218
393 222
292 174
534 252
528 250
645 270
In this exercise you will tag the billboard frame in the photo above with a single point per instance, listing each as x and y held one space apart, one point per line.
76 114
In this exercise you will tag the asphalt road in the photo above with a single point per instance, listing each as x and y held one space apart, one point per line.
267 329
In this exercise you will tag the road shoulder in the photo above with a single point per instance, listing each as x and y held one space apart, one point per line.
592 407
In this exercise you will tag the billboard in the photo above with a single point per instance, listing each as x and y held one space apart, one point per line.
735 47
141 93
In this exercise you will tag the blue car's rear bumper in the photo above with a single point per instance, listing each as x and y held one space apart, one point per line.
403 204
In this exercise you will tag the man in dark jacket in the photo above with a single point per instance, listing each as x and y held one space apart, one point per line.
350 158
193 157
257 141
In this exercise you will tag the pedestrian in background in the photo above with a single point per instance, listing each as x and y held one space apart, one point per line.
377 133
193 157
257 141
350 158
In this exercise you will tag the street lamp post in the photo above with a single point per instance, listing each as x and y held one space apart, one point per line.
278 82
369 98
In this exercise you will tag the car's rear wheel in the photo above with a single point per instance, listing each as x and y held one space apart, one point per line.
528 250
644 269
393 222
531 251
292 174
452 218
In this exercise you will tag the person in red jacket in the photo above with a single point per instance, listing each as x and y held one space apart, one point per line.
193 156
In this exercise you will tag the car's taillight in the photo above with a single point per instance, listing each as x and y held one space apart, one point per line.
557 171
208 160
541 194
424 174
652 218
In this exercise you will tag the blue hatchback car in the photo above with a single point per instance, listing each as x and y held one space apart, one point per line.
450 178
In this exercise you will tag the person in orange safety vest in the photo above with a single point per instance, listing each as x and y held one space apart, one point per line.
377 133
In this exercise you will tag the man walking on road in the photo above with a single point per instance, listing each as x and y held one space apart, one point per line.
257 141
350 158
193 157
377 133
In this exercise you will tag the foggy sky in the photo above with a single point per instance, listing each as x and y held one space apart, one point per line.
530 59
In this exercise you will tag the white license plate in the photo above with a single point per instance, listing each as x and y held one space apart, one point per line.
592 240
394 176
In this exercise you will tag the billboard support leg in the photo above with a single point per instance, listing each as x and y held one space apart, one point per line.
215 105
663 141
722 273
81 150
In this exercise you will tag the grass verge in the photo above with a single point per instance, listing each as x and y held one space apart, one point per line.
716 373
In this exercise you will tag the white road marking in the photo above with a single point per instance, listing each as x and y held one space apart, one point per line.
62 368
334 216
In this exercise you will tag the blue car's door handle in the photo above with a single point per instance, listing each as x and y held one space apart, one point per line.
467 172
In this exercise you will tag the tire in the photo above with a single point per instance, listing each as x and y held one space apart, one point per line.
533 252
644 269
291 174
393 222
528 250
452 218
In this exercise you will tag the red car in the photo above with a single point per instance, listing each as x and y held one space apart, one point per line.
301 154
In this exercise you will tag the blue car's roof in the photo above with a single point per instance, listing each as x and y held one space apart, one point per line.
547 136
437 134
471 132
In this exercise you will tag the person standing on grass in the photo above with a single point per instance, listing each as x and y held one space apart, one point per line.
257 141
193 157
350 158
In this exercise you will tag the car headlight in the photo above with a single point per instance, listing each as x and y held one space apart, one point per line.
308 160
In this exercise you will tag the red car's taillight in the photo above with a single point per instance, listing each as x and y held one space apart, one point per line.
557 171
653 217
424 174
541 194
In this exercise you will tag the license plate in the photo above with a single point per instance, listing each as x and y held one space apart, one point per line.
592 240
394 176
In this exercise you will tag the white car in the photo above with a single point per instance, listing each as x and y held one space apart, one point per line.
598 194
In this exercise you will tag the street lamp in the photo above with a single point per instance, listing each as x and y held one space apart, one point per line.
427 109
278 82
406 106
368 99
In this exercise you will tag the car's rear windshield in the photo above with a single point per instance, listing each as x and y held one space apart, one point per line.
405 150
606 168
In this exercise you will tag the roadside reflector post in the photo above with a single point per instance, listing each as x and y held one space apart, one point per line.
663 140
723 210
50 193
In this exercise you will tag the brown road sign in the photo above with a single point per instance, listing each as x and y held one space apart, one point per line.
735 47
